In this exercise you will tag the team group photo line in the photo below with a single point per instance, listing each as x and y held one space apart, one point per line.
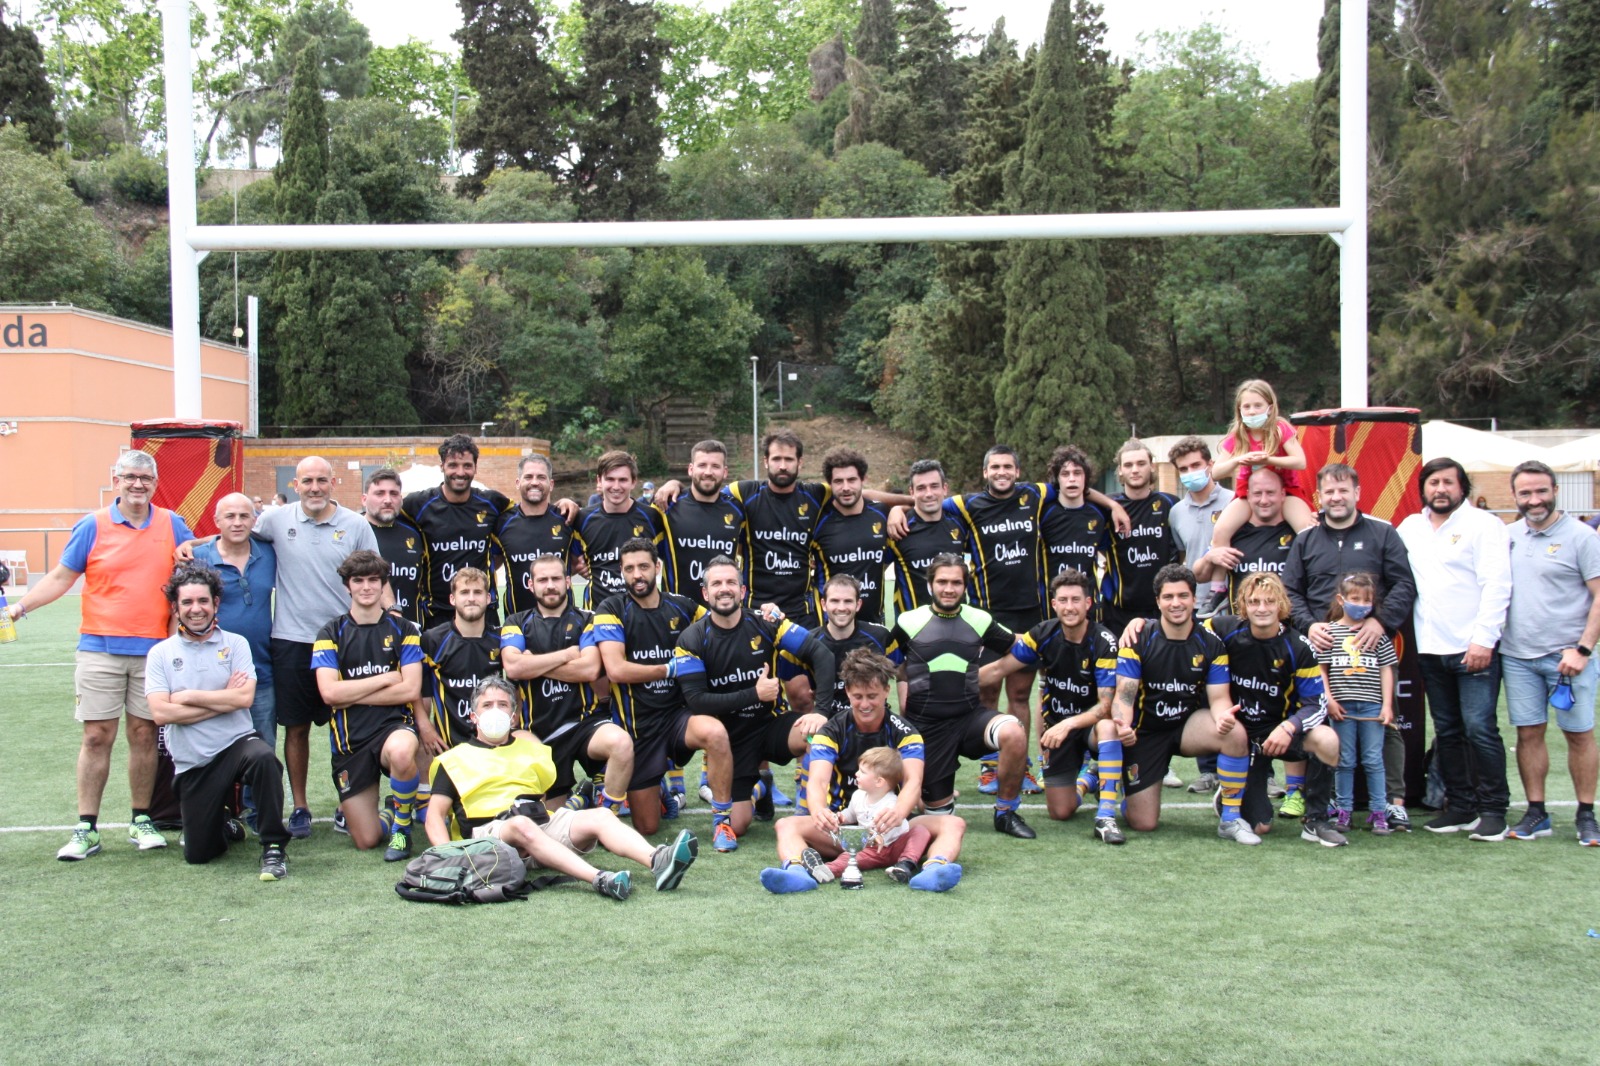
865 638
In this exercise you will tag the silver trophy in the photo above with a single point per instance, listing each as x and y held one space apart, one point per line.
851 839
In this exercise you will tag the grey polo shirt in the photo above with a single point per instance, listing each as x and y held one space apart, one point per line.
179 664
309 554
1192 522
1549 598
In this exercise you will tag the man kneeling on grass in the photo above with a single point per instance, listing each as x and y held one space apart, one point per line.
200 684
493 786
832 762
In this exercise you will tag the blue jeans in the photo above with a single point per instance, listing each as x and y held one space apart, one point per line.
1363 736
1466 733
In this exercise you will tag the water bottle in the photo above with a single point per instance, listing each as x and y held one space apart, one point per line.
8 628
1561 698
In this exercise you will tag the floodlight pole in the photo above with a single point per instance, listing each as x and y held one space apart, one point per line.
181 211
1353 201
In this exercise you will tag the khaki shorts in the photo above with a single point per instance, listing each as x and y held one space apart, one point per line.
106 685
558 828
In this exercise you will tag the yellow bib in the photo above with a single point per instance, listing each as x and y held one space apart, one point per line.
488 780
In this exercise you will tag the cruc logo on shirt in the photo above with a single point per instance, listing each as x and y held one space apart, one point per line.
555 530
411 543
1277 664
177 664
1455 538
388 641
1093 523
1156 507
1283 541
672 624
755 643
482 516
955 534
224 654
291 533
801 510
1552 549
338 535
1197 659
727 519
877 527
638 531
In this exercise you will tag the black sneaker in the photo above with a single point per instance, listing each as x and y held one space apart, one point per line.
232 830
1011 824
1588 829
615 885
763 805
1321 831
902 871
1489 827
1448 821
1107 831
274 865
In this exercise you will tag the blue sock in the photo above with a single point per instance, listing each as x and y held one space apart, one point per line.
405 795
721 813
1003 805
1293 783
1231 773
1110 778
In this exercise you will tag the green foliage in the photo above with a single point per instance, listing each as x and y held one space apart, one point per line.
1577 53
141 287
136 176
877 37
681 332
421 79
521 119
587 434
107 55
51 245
618 173
1063 377
919 111
25 96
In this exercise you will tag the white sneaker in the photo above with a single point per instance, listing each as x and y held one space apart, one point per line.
705 793
1237 832
1172 780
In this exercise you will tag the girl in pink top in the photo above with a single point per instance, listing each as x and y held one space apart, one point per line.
1259 437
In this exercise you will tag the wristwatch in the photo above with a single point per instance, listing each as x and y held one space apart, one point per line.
1585 652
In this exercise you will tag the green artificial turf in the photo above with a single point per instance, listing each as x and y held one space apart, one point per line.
1175 948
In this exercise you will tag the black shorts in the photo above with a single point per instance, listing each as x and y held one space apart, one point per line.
945 741
295 685
1061 765
1146 760
361 768
754 741
650 757
1018 622
1256 805
573 747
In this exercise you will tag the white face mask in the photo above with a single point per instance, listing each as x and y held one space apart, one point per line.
493 725
1256 421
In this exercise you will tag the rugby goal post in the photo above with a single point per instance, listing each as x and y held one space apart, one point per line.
191 242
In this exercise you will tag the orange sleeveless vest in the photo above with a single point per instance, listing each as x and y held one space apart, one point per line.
122 581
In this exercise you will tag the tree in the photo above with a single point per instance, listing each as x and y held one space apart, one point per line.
681 332
109 55
25 96
1063 378
619 138
303 369
53 248
919 111
522 116
422 79
1577 53
877 37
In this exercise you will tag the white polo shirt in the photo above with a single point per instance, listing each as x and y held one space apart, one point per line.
1463 573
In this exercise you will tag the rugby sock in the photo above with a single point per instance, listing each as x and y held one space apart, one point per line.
1001 806
1293 783
610 802
720 813
405 797
759 790
935 860
92 819
1583 808
1088 778
1536 808
674 777
990 763
1110 778
1231 772
704 781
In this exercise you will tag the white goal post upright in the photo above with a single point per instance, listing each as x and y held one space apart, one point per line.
1345 224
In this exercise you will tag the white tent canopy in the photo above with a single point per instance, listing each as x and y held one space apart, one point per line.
1476 449
1580 454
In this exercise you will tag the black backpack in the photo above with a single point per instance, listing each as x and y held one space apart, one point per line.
466 871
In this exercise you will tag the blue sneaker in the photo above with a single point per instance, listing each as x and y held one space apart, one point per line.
300 823
1532 827
669 802
988 780
339 825
787 880
940 877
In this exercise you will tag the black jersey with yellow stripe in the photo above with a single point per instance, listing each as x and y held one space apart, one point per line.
1273 678
777 540
840 742
1003 538
1072 674
913 552
854 544
1137 555
600 535
1074 537
1262 550
365 650
693 532
864 635
551 707
459 535
718 667
524 538
647 635
453 665
405 549
1172 675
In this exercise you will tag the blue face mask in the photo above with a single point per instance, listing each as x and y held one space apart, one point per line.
1256 421
1195 480
1357 612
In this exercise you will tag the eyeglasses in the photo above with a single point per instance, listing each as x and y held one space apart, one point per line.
138 479
244 589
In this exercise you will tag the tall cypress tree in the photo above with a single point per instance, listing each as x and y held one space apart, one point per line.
919 112
877 39
618 176
303 371
1063 378
25 96
1577 53
521 119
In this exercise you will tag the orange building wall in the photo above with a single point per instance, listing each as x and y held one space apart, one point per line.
73 381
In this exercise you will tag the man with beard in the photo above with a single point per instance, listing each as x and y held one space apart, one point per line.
943 644
726 663
613 520
701 524
458 521
1148 545
843 631
401 544
1345 541
1262 544
1547 650
456 657
850 538
807 839
551 650
1461 559
929 532
637 632
532 530
1079 662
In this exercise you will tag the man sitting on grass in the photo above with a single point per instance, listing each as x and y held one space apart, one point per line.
493 784
805 841
200 684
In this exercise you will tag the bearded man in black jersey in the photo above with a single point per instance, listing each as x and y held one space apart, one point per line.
727 665
851 537
928 532
458 520
701 524
551 650
637 632
1147 546
401 544
616 518
533 529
